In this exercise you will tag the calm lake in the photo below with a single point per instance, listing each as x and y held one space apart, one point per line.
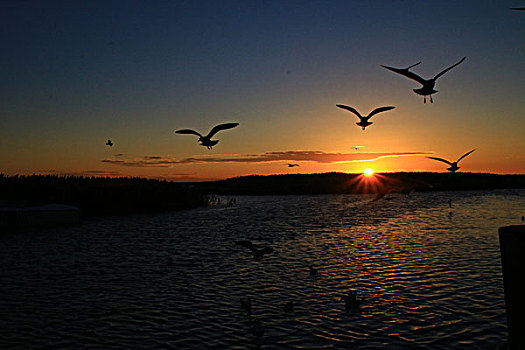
430 276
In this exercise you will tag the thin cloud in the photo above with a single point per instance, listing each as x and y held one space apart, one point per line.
267 157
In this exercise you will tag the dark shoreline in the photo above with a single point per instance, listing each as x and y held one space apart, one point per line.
103 196
100 196
341 183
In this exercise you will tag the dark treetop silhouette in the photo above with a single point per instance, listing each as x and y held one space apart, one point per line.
363 121
453 165
109 143
206 140
428 84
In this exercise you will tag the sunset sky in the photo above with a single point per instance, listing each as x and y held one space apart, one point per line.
76 73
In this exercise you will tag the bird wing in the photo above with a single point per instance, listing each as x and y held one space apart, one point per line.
379 110
407 73
220 127
351 109
466 154
441 160
246 244
449 68
188 131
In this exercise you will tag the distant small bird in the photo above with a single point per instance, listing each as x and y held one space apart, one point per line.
288 307
290 165
206 140
428 84
109 143
453 165
450 203
257 253
363 121
246 304
351 301
357 147
518 8
313 271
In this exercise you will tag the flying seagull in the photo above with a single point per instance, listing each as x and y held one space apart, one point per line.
290 165
428 84
109 143
206 140
453 165
257 253
363 121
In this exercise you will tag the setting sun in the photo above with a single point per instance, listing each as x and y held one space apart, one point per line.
368 172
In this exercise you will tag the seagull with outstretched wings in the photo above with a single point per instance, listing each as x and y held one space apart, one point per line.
363 121
453 165
206 140
428 84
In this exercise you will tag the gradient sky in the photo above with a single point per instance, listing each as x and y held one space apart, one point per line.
76 73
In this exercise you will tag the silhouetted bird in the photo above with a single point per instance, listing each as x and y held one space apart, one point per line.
206 140
313 271
518 8
450 203
288 307
292 165
428 84
363 121
357 147
246 304
453 165
351 301
257 253
109 143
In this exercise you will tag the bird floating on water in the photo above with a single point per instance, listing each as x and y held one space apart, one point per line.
428 84
453 165
246 304
206 140
257 253
313 271
257 328
351 301
109 143
288 307
291 165
363 121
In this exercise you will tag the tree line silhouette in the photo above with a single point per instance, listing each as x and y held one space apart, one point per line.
100 196
327 183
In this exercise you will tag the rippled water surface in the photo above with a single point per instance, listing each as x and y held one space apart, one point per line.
430 276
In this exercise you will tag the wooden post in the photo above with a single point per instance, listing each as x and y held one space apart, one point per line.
512 247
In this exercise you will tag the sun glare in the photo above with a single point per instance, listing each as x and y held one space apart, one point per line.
368 172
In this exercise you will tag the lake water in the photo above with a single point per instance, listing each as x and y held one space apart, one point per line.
430 275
